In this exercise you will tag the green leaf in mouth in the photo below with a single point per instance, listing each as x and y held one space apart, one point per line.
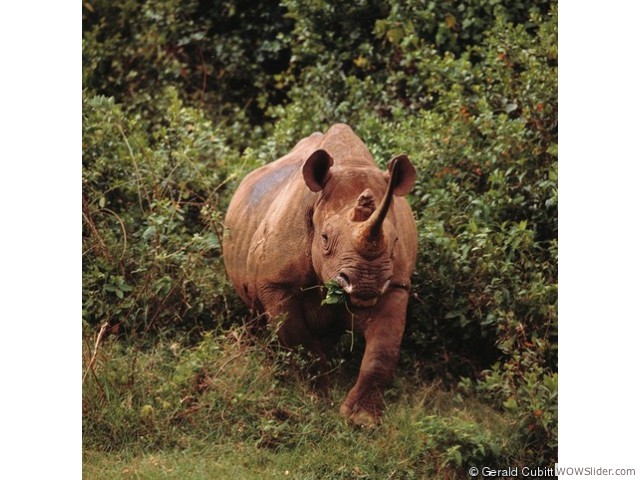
335 294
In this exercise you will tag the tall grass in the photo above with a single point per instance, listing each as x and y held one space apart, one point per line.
235 405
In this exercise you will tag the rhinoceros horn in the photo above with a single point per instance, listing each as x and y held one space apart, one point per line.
365 206
368 237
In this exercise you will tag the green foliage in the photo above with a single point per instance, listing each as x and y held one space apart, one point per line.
335 294
220 55
182 99
522 387
151 217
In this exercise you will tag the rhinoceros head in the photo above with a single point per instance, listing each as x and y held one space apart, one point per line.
354 232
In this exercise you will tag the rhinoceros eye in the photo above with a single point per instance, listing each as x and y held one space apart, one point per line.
326 238
326 244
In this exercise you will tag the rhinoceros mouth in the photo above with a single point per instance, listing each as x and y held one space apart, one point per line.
361 298
362 303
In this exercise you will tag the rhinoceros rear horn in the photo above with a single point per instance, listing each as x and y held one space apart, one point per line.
365 206
315 170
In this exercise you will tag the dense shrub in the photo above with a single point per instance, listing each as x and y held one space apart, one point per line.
183 98
220 56
151 217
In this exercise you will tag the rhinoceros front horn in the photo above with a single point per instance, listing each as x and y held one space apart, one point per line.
368 238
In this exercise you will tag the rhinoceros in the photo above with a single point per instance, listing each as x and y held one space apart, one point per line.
326 212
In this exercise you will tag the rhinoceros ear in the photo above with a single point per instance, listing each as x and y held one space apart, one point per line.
402 174
316 170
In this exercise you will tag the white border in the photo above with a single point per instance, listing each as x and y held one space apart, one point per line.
599 202
40 239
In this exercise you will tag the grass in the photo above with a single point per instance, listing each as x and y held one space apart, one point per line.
237 406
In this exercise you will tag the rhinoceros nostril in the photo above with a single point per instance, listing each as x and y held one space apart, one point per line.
345 283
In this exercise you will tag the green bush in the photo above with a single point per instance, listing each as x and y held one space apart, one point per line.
221 56
152 217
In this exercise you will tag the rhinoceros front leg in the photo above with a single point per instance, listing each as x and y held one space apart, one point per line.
280 304
383 330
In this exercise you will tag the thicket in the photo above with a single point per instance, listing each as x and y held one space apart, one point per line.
182 98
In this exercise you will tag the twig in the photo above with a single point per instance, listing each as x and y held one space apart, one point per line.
227 362
103 328
93 372
122 227
86 213
135 166
352 328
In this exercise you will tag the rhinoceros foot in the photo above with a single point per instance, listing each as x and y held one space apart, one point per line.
359 417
